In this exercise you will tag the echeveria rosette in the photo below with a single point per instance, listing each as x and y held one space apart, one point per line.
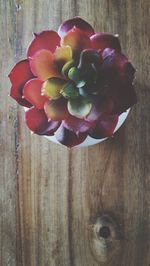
74 83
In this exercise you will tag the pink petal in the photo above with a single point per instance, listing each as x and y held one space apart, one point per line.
68 137
42 65
105 127
78 23
77 125
47 40
18 76
105 40
38 123
32 93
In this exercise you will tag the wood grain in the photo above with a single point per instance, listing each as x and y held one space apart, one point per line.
51 197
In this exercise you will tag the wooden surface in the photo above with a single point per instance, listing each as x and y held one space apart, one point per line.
51 198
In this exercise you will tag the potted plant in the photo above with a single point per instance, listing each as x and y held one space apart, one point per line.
76 85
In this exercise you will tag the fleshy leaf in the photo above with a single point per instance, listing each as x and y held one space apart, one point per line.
104 127
63 53
47 40
124 97
105 40
56 109
38 123
78 125
70 91
89 66
32 93
18 76
101 107
75 75
116 67
42 65
75 22
83 92
89 57
68 137
51 128
67 67
20 73
52 87
77 39
106 52
118 74
79 107
16 93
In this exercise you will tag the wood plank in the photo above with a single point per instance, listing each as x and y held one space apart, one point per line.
51 197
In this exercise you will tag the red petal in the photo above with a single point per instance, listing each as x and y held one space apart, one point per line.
42 65
18 76
105 127
77 39
36 120
47 40
32 93
75 22
21 73
69 138
56 109
105 40
77 125
16 94
38 123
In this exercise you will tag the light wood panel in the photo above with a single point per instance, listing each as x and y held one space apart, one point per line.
51 197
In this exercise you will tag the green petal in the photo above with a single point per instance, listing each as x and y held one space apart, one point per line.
79 107
70 91
75 75
52 87
83 92
67 67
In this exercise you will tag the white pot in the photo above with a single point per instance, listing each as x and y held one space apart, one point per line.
90 141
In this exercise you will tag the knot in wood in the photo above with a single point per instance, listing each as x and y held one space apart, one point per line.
107 240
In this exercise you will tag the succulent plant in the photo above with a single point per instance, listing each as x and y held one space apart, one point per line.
74 83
